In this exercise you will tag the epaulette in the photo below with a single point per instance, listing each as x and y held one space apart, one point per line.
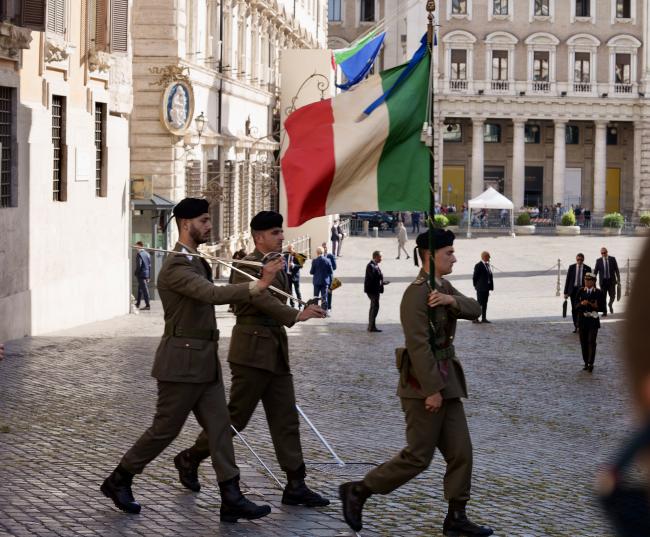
419 280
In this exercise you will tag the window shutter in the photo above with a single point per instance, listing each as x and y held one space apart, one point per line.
56 16
100 24
33 15
119 25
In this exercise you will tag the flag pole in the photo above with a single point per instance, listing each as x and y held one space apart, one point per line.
431 8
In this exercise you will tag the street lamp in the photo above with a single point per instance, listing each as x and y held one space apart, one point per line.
199 121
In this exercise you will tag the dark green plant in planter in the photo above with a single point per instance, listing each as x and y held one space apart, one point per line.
453 219
440 221
644 219
523 219
615 220
569 218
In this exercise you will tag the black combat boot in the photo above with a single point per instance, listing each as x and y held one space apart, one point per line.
117 487
458 525
187 463
353 495
298 493
234 505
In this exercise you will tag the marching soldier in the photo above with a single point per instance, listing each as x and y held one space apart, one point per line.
589 302
259 363
187 367
431 386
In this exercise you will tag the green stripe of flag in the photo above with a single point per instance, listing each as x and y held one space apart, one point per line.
343 54
403 173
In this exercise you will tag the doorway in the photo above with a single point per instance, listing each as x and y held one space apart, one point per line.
453 186
613 191
534 186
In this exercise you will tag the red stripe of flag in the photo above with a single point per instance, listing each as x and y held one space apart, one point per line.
308 165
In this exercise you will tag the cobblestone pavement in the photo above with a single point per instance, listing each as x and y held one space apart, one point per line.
72 402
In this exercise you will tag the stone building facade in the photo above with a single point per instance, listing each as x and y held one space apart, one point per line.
228 52
65 97
546 100
350 19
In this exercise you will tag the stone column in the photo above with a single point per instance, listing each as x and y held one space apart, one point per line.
641 166
477 156
600 168
559 162
518 163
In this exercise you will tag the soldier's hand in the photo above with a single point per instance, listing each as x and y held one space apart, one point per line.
566 296
440 299
433 402
269 270
311 312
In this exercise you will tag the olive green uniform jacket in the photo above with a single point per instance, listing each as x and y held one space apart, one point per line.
424 371
259 363
187 365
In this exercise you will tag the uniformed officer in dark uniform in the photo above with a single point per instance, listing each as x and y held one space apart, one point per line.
589 302
187 366
431 386
259 362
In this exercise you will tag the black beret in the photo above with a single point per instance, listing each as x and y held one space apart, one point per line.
189 208
266 220
441 239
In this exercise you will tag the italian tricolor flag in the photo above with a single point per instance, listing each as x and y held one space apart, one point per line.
342 160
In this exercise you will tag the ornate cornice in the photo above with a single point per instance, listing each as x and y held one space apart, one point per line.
13 39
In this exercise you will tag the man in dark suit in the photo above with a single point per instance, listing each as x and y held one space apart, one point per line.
575 280
483 283
590 301
142 273
332 260
322 271
334 237
373 286
608 277
187 366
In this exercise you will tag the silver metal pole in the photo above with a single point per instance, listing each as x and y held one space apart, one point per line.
628 277
257 457
320 437
559 277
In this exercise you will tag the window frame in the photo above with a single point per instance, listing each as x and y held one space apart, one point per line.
500 17
567 139
498 133
624 44
461 16
10 148
340 19
359 6
591 18
60 184
624 20
541 18
457 139
101 155
542 42
536 130
583 43
459 40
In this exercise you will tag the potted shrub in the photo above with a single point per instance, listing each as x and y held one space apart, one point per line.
523 225
644 224
613 223
453 220
568 224
440 221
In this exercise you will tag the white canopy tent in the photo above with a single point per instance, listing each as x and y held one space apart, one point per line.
490 199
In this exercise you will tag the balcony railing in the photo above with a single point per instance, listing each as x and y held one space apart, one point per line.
500 85
622 89
541 86
458 85
582 87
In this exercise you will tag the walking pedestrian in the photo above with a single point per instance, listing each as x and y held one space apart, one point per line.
341 235
187 367
142 273
609 277
259 363
575 281
293 267
334 236
332 260
415 222
373 286
322 272
483 283
402 238
431 386
590 302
